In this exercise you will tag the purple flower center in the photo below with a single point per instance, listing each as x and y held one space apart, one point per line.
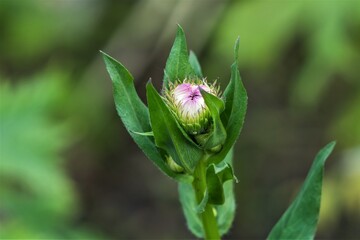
188 97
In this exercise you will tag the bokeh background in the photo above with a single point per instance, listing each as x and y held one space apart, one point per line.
68 168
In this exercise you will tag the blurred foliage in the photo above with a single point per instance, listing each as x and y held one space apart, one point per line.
37 197
346 125
336 197
26 126
41 26
329 33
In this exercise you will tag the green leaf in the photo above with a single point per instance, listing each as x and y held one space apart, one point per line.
134 114
194 62
236 50
235 109
215 177
216 106
177 65
234 91
189 206
225 213
300 219
168 135
201 207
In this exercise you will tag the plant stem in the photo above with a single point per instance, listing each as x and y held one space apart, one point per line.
207 217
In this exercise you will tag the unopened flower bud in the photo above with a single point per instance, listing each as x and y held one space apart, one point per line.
188 105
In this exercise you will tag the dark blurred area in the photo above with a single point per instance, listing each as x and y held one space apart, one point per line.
69 169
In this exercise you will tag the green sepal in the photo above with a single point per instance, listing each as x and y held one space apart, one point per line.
194 62
218 135
235 109
177 65
300 219
135 115
168 135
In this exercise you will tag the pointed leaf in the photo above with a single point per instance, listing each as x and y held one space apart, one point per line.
236 50
215 177
225 212
168 135
201 207
177 65
216 106
235 109
133 113
194 62
190 209
300 219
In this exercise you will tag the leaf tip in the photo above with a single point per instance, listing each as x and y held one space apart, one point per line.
236 49
179 28
331 145
149 84
104 54
107 58
180 32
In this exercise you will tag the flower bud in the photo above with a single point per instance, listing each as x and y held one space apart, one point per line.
188 105
173 165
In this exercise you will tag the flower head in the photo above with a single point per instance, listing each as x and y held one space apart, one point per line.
188 105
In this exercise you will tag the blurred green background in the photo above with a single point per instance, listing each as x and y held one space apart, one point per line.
68 168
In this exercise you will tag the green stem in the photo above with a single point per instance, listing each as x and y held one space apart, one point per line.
207 217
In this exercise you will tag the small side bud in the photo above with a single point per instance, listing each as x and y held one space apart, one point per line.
216 149
214 211
173 165
203 138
